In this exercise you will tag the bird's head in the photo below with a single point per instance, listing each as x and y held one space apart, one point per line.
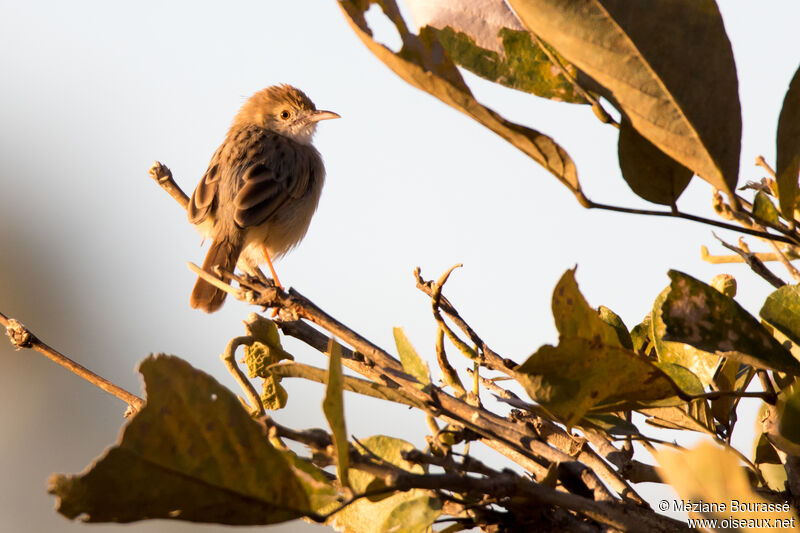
285 110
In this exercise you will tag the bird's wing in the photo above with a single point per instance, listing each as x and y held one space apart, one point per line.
204 197
277 174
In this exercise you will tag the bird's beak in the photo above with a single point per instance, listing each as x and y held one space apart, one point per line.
320 114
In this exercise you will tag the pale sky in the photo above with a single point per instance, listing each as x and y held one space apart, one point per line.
93 253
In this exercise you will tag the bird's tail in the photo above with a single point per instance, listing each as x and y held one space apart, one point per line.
223 254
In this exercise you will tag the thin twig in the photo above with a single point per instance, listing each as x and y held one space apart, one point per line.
163 177
755 264
723 259
228 357
22 337
788 237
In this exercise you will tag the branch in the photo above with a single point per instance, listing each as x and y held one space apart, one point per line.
755 264
508 438
504 486
21 337
788 236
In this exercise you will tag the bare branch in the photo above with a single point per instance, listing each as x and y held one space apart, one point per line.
22 337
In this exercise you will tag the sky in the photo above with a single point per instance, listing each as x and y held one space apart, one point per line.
93 253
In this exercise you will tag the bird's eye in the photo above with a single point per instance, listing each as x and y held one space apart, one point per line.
285 114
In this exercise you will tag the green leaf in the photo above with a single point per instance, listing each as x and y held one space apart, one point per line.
423 63
266 350
789 415
192 453
273 395
612 319
412 362
630 49
781 310
650 173
413 511
333 407
640 336
578 375
523 65
575 318
701 363
764 210
697 314
685 379
788 148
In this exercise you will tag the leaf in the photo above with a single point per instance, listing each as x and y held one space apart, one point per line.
352 384
487 39
411 511
333 407
423 63
412 363
701 363
577 376
193 453
590 369
764 210
612 319
523 65
781 310
725 380
766 459
679 418
640 336
697 314
712 475
266 350
725 283
574 316
650 173
684 378
788 148
610 424
676 95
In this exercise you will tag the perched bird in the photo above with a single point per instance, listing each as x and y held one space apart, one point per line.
261 188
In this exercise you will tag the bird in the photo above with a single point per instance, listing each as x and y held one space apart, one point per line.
262 186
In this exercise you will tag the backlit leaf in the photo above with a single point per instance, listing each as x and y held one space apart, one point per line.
711 474
781 310
333 407
192 453
412 362
697 314
409 512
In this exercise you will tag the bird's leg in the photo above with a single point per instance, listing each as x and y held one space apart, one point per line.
271 268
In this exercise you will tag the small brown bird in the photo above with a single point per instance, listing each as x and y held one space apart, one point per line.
261 188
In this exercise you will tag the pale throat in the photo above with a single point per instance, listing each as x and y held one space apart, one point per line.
301 134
